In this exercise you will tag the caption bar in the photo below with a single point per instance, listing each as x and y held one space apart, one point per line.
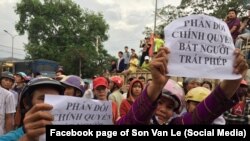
109 132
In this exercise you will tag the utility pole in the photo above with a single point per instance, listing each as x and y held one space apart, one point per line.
12 48
12 44
155 15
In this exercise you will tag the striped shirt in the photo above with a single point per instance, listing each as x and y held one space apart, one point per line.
7 105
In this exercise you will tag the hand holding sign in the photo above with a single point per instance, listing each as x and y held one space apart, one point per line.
240 63
229 87
36 119
201 46
74 110
67 110
158 70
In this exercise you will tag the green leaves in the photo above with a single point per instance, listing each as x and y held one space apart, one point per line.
217 8
61 31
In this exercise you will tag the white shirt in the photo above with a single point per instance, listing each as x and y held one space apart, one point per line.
88 94
118 63
7 105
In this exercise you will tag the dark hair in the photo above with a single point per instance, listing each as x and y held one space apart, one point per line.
108 80
37 74
207 82
232 10
131 79
149 80
244 18
60 70
162 36
120 52
134 56
93 77
141 77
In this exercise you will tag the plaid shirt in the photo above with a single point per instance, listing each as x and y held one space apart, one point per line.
239 119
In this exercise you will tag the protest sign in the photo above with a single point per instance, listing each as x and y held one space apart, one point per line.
74 110
200 46
68 110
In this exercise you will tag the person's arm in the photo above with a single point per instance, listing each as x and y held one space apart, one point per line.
226 18
10 109
158 68
236 25
9 122
243 25
229 87
143 108
233 29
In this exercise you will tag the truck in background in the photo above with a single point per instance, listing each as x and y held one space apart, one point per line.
30 67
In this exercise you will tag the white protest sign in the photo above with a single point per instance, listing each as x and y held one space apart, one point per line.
200 46
73 110
78 111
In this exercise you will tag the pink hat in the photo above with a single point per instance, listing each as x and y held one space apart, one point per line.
100 81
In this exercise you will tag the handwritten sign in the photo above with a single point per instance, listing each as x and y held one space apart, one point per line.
201 46
73 110
78 111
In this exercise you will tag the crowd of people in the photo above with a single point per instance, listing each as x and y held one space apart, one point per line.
129 62
158 101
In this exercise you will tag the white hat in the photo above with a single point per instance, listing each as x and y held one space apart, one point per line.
146 58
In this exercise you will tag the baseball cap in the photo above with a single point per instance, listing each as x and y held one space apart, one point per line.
146 58
100 81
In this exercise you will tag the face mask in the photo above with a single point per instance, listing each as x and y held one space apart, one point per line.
159 121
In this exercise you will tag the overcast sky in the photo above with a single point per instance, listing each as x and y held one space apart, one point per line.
126 18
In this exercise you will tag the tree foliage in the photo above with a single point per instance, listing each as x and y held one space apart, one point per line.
217 8
60 30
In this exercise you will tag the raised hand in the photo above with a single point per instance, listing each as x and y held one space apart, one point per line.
159 70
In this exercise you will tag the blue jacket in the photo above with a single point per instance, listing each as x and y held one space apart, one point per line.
14 135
